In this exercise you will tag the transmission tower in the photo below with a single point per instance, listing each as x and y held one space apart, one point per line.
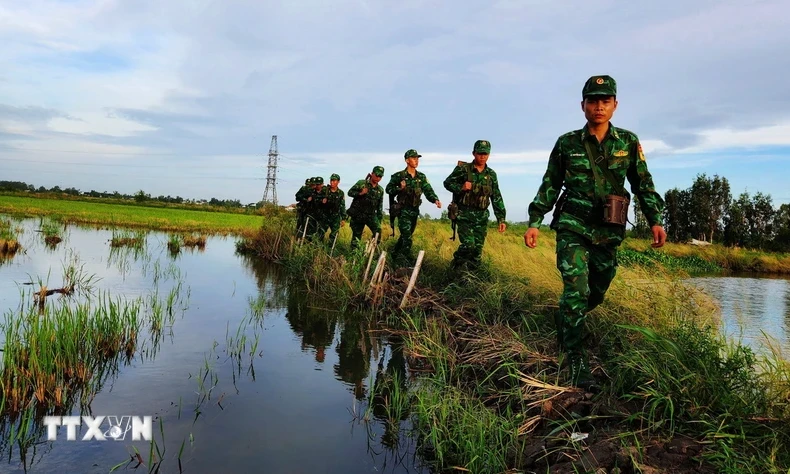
271 174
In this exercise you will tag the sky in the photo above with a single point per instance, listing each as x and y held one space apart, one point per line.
183 97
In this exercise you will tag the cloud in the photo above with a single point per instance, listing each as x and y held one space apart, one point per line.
351 83
31 114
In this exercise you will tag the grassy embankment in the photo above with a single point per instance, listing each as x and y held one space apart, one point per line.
169 219
677 397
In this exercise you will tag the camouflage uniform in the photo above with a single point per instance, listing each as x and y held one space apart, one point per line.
472 220
301 195
587 247
366 209
333 210
408 204
314 209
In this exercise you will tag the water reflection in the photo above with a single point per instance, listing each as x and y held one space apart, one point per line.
241 375
754 309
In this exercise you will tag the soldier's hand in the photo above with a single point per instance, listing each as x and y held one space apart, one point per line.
439 204
467 186
310 198
531 237
659 236
324 201
364 191
403 184
502 227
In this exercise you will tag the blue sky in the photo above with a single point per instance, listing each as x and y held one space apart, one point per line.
182 97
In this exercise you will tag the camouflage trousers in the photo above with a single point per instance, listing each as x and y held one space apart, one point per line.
332 224
472 227
407 222
313 223
587 271
358 227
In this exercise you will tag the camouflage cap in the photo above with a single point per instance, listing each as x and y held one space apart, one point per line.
411 153
311 181
482 146
378 171
599 85
319 180
307 181
334 177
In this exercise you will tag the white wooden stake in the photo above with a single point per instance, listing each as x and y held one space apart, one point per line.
413 278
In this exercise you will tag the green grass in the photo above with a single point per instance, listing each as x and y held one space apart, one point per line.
165 219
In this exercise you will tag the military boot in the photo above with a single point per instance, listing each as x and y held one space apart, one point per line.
581 376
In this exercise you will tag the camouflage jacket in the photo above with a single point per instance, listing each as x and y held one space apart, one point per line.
314 207
335 202
302 195
569 165
409 197
484 192
371 203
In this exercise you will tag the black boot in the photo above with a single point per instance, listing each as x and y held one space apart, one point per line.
581 377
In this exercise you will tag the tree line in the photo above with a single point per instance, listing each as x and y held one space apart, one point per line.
707 211
140 196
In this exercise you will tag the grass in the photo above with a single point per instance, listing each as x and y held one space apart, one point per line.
9 245
492 394
60 350
157 218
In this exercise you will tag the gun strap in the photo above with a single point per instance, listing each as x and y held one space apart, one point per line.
594 164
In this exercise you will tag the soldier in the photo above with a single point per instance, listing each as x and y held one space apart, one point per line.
333 207
474 186
301 198
367 207
409 185
590 217
314 208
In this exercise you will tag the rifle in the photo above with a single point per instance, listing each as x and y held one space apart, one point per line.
452 209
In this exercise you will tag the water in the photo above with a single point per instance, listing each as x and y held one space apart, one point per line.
755 309
298 404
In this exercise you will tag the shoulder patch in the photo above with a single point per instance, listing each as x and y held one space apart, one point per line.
641 153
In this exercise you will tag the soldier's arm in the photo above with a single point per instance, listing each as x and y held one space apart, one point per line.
428 190
455 181
393 187
343 215
356 188
380 207
650 202
496 199
549 189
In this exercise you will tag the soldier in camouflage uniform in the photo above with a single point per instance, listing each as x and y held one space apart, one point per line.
367 207
475 186
409 185
314 209
586 245
333 208
301 196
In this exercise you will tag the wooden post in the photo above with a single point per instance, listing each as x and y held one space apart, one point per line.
413 278
333 244
304 231
367 269
379 269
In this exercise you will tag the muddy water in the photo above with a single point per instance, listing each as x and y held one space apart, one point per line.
755 309
297 404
